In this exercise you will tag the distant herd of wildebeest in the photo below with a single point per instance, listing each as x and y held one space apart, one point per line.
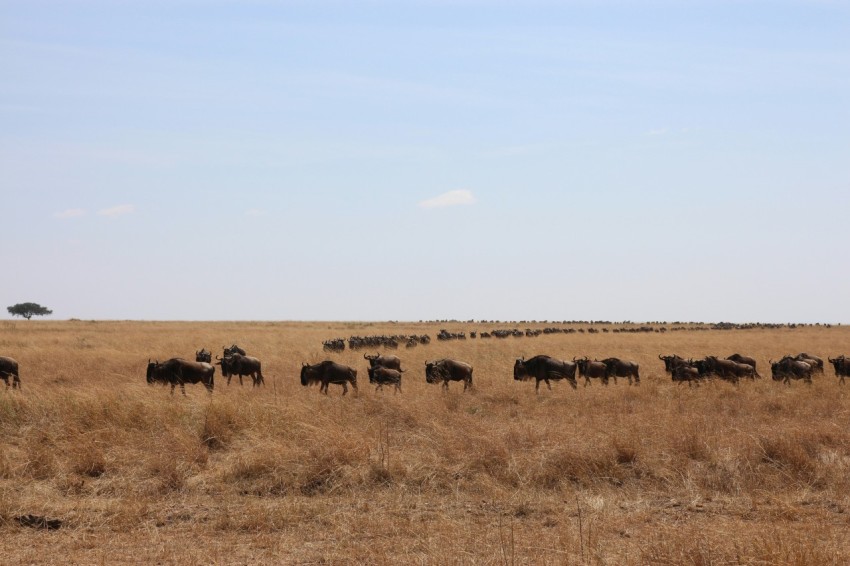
384 369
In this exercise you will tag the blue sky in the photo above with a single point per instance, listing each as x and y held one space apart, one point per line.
268 160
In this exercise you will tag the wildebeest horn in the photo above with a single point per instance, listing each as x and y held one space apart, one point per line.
216 357
659 357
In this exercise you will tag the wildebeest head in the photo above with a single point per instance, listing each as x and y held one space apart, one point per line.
520 370
431 372
309 375
226 364
581 364
203 356
234 349
152 366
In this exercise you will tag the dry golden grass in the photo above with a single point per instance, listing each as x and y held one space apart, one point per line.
656 474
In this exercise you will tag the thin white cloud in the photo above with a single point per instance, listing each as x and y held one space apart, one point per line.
658 132
451 198
255 212
70 213
119 210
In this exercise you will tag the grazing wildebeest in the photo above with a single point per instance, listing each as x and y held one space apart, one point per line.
178 371
328 372
621 368
446 370
234 349
672 362
9 368
685 372
745 360
544 368
239 365
390 362
842 367
203 356
591 369
788 368
385 376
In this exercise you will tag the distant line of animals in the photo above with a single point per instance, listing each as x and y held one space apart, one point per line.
412 340
386 370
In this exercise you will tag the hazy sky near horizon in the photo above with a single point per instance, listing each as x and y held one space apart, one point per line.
426 159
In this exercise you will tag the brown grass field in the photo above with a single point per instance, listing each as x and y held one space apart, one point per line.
757 473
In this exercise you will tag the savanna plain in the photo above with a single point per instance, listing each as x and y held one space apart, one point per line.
661 473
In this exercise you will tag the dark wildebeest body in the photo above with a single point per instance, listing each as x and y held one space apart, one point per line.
389 362
621 368
9 368
446 370
239 365
327 372
685 372
178 371
842 367
544 368
788 368
672 362
814 361
203 356
591 369
385 376
727 369
745 360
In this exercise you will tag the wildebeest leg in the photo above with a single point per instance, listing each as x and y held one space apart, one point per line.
397 387
344 388
537 386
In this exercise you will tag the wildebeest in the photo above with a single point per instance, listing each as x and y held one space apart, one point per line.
842 367
239 365
672 362
544 368
327 372
591 369
814 361
9 368
745 360
203 356
685 372
178 371
378 360
727 369
788 368
446 370
616 367
385 376
234 349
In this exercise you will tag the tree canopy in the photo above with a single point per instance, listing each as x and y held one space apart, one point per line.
28 310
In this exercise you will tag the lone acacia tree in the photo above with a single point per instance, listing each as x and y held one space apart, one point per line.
28 310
